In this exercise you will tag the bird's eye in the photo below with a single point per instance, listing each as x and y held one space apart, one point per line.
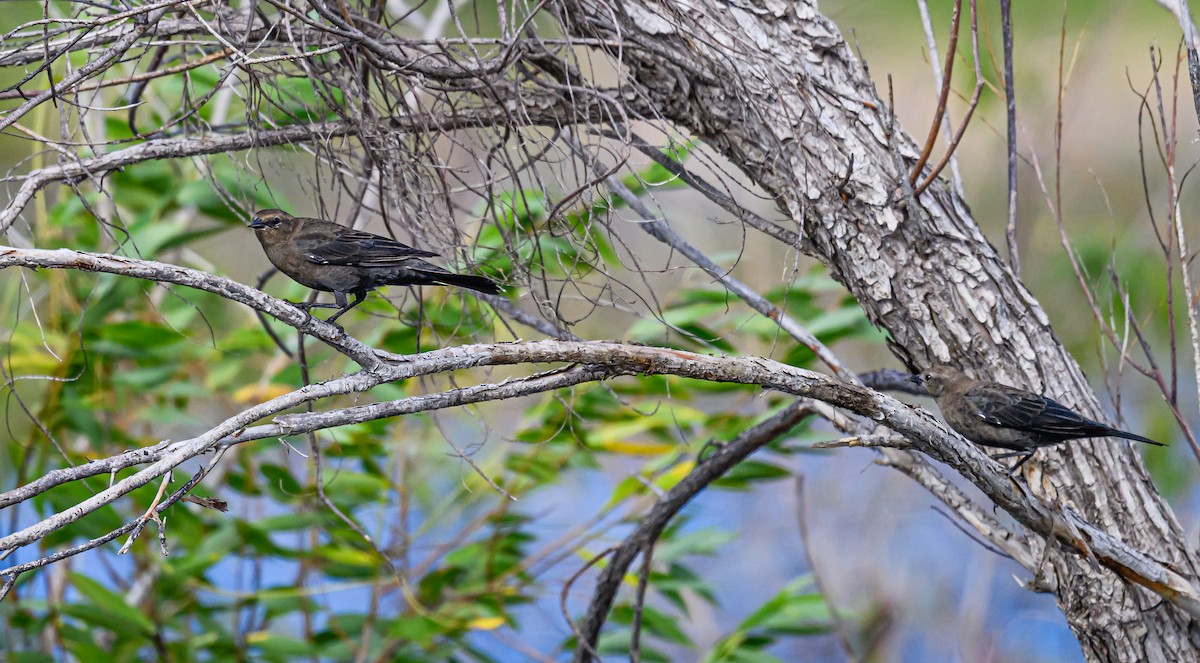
927 376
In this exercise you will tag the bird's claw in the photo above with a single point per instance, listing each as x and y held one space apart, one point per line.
307 307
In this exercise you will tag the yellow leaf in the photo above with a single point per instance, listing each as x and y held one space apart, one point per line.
668 479
34 363
485 623
257 393
349 556
629 448
31 355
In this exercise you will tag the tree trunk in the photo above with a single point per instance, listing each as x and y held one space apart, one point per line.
775 89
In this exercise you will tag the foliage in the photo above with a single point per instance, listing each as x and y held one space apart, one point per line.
452 568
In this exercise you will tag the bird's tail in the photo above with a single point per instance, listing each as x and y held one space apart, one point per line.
1136 438
468 281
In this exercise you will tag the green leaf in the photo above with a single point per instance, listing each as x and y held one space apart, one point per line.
421 630
281 482
654 622
751 471
136 340
704 541
81 643
354 487
280 646
31 657
208 551
341 561
106 609
147 377
795 610
289 521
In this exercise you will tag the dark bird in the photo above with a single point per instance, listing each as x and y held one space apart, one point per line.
329 257
996 415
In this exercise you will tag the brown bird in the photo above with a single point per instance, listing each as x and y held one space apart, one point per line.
996 415
329 257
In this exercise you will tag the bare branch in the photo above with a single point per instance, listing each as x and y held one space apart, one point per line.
658 229
192 278
175 148
98 63
648 529
928 435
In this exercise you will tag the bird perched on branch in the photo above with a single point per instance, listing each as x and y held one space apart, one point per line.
996 415
329 257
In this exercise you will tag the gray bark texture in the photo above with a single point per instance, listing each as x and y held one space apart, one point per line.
774 87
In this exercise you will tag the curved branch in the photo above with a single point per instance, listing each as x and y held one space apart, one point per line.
98 64
926 276
657 228
552 112
652 524
193 278
928 435
296 424
356 383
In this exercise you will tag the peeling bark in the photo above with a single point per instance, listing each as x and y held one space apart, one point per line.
774 88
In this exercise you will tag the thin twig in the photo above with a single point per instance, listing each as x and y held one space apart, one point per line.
971 106
652 524
1010 112
839 621
939 114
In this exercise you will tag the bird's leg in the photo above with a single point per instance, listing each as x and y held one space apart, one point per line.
304 306
341 300
1027 456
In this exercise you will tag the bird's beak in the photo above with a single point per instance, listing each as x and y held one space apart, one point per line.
256 224
915 377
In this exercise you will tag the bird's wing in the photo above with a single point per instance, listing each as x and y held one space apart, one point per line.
347 246
1009 407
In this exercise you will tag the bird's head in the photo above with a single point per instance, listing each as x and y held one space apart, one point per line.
270 222
937 377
